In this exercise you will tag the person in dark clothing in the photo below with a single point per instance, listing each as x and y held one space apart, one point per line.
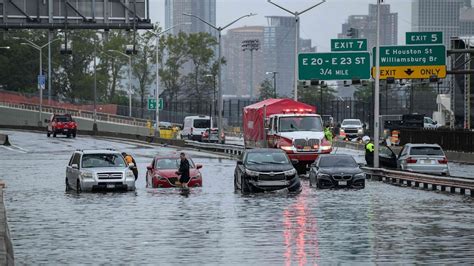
369 151
183 170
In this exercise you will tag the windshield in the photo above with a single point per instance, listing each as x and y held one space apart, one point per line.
63 119
170 163
340 161
300 123
426 151
351 123
202 123
102 160
267 158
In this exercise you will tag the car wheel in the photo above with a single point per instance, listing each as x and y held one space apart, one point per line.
78 187
74 135
245 186
68 135
68 188
319 184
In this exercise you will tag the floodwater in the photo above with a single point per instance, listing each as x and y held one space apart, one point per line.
214 225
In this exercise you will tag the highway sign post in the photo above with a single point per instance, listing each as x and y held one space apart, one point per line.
334 66
412 62
435 37
152 104
345 45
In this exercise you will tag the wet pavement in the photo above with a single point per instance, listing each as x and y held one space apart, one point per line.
214 225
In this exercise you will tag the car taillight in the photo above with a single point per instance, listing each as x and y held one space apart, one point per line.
205 134
411 160
443 161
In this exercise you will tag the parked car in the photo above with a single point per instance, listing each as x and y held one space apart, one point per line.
336 170
194 126
423 158
352 128
265 170
61 124
90 170
161 173
212 135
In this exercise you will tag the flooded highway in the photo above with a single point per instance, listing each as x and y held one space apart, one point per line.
213 225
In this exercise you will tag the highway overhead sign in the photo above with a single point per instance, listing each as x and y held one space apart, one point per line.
434 37
334 66
344 45
152 104
412 62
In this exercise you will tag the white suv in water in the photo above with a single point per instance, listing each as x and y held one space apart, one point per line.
352 128
90 170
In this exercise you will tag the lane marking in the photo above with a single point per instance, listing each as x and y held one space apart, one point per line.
8 148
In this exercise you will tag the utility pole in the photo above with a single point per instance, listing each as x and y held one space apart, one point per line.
296 14
377 90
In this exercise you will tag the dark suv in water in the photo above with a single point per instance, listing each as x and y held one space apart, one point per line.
263 170
336 170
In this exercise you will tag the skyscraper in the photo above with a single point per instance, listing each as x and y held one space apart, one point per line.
237 67
366 26
438 15
205 9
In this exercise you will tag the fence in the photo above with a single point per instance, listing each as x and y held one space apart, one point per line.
450 140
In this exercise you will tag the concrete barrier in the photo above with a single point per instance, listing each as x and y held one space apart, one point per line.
4 140
6 247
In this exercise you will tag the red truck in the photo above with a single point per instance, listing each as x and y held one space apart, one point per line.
288 125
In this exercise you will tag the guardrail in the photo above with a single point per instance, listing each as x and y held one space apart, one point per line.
236 150
423 181
80 113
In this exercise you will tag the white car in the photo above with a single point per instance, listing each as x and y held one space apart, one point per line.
90 170
423 158
352 128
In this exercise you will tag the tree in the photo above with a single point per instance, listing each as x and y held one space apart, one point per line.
317 95
266 90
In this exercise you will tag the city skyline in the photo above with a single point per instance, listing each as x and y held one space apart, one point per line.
320 29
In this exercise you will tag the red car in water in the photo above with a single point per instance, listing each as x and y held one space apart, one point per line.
162 172
61 124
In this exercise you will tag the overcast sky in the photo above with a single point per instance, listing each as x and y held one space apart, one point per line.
320 24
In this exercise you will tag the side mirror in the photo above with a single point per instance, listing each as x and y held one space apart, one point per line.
294 161
240 162
149 167
75 166
198 166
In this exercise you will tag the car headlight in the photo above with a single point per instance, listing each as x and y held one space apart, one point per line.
87 175
130 174
322 175
326 147
342 130
287 148
361 175
250 172
291 172
359 130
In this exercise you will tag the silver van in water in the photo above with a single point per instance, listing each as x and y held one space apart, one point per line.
90 170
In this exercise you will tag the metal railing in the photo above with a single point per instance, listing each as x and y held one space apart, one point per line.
231 149
104 117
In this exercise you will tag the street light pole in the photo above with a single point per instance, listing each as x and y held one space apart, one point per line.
129 79
219 30
296 14
157 92
377 90
40 49
274 73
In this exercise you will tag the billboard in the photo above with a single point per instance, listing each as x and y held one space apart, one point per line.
75 14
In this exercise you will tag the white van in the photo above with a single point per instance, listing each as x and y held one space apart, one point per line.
194 126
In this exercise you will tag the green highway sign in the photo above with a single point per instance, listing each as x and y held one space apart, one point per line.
345 45
434 37
412 55
152 104
334 66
